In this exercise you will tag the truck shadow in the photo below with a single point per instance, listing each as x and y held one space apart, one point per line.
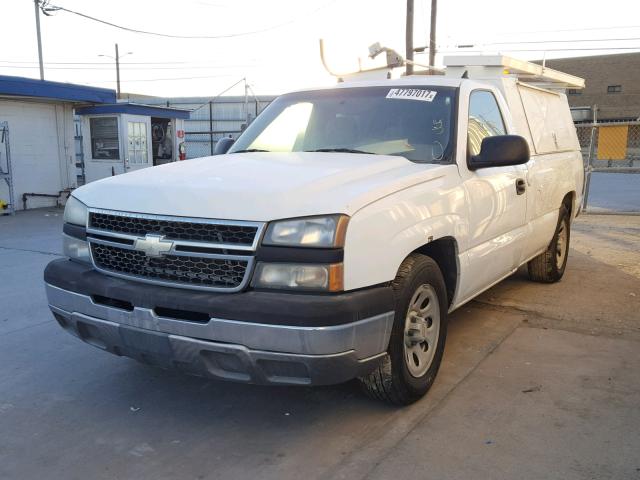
473 331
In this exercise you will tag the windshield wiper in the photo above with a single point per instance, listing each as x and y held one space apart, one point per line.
340 150
250 150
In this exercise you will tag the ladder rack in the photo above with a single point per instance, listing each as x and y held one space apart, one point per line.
5 166
492 66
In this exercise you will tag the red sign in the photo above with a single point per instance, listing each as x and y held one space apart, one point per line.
180 133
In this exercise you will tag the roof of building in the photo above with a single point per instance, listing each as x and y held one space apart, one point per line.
135 109
45 89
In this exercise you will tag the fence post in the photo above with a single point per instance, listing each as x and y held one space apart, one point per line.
211 125
589 167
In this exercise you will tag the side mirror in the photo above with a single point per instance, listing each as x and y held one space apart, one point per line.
223 145
501 151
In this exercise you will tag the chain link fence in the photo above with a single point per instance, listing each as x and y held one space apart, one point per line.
202 144
211 121
610 145
611 152
212 118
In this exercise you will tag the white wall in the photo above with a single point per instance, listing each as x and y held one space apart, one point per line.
42 149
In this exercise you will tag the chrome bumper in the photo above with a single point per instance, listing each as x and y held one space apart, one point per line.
227 349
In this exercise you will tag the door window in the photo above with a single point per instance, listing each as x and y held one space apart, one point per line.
137 146
485 120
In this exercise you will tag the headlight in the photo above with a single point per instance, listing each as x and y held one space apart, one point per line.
324 232
76 249
299 276
75 212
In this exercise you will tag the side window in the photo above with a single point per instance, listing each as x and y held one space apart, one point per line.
485 120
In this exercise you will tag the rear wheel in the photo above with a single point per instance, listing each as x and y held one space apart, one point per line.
418 335
549 266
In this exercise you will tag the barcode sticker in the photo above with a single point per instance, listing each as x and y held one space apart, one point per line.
412 94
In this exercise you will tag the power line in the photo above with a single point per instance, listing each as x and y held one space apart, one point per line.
588 29
544 49
478 44
48 9
167 79
107 68
561 41
108 63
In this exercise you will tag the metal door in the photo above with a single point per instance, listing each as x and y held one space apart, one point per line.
137 147
5 170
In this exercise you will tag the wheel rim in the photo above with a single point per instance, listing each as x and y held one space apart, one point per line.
421 330
561 245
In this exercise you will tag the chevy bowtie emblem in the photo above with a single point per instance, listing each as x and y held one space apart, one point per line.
153 245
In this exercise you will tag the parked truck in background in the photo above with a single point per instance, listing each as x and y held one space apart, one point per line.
335 236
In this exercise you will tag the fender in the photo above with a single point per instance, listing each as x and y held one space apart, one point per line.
382 234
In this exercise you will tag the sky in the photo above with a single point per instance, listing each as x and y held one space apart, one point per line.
274 44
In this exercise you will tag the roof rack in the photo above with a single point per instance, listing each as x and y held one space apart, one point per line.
491 66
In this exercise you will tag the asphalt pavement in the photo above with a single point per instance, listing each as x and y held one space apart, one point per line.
537 381
616 192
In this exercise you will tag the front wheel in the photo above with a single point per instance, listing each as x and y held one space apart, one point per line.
418 335
549 266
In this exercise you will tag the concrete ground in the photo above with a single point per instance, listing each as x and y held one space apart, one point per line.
538 381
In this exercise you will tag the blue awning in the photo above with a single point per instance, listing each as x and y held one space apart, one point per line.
45 89
135 109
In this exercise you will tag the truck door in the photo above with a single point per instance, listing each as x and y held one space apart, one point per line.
496 200
136 130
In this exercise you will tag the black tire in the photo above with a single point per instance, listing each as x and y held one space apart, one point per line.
549 266
392 381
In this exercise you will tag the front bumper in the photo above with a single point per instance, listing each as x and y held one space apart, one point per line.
305 352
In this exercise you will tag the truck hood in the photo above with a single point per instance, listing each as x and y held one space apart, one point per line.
259 186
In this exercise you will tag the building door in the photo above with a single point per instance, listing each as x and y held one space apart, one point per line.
7 198
137 152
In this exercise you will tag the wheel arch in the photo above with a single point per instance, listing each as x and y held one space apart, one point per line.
444 251
569 201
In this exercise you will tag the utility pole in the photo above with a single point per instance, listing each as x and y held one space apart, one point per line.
36 4
117 59
409 38
432 33
246 103
117 73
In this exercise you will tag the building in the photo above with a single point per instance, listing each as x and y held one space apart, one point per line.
37 152
211 117
122 137
611 85
56 136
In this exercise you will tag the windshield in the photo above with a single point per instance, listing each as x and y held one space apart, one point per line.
413 122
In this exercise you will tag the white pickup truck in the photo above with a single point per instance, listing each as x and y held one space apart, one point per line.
333 238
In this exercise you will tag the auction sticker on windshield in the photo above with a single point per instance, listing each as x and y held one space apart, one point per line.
412 94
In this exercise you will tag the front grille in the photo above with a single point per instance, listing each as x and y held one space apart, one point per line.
239 235
186 270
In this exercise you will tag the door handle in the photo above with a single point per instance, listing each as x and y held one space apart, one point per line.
521 186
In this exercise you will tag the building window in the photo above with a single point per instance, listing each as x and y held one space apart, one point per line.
614 89
574 91
105 143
